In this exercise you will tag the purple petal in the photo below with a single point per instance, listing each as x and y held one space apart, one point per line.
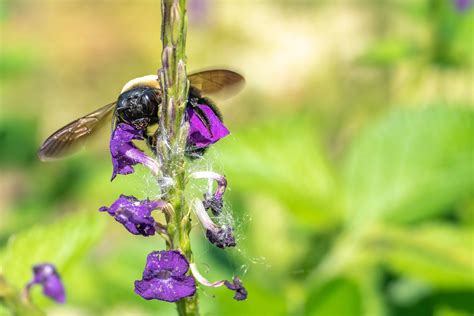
172 262
207 132
238 287
47 276
171 289
221 237
164 277
134 214
125 154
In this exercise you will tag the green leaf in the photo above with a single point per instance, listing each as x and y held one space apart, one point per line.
437 254
283 158
337 297
60 243
410 165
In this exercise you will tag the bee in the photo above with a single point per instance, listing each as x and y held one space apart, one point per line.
138 105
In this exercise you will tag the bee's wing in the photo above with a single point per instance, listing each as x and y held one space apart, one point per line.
65 140
220 82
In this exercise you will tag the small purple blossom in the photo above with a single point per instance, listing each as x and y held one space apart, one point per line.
125 154
134 214
45 274
204 131
462 5
238 287
164 277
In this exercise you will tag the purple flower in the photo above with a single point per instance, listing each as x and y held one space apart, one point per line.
164 277
462 5
220 236
238 287
205 126
125 154
135 214
46 275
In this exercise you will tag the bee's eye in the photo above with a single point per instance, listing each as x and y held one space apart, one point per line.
149 102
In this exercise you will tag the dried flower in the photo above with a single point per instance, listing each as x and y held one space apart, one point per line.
125 154
45 274
164 277
220 236
134 214
236 285
215 201
205 126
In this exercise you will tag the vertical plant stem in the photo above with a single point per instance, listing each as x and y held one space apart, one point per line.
173 130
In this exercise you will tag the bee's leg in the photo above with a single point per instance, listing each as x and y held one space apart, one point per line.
151 143
194 153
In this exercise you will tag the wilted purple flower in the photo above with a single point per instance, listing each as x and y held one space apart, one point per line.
164 277
125 154
45 274
238 287
220 236
205 127
135 214
215 201
462 5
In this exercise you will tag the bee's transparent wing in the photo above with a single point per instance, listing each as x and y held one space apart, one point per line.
217 82
68 138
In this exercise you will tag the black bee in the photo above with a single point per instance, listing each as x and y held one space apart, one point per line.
138 105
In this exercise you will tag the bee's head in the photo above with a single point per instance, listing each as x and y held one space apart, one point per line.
138 107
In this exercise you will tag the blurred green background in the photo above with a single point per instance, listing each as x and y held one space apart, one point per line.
350 163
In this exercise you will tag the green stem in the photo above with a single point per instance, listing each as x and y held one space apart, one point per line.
174 132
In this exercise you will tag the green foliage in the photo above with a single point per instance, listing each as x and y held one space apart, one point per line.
290 165
14 62
61 243
337 297
437 254
17 141
410 166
